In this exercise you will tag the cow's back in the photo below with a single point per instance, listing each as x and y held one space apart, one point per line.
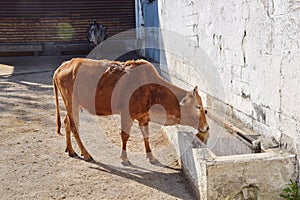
119 82
104 87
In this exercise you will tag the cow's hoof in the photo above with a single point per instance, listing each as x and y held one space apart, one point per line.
154 161
151 158
126 162
89 159
73 155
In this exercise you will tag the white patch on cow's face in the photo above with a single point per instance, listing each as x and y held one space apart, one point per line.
192 111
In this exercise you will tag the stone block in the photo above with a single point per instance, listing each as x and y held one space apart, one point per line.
245 176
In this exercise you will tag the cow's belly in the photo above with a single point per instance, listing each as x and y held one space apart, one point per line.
97 106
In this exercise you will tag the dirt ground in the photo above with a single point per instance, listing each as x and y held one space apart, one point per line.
33 164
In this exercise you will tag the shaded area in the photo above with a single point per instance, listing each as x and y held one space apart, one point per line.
164 183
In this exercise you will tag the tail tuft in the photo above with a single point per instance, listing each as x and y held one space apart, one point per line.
58 122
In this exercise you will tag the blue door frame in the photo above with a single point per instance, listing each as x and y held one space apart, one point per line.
151 20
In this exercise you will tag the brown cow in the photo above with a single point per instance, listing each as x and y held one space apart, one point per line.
132 89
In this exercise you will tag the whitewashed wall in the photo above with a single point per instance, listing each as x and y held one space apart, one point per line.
255 47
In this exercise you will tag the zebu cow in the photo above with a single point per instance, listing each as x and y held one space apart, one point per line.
131 89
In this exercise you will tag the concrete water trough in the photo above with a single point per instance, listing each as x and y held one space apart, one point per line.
229 165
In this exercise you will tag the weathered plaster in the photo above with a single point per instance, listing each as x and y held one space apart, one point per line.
254 44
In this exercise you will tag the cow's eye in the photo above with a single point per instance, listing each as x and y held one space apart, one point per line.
198 107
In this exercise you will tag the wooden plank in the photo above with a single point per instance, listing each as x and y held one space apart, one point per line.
73 47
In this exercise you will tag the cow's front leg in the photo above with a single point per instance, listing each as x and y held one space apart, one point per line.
149 155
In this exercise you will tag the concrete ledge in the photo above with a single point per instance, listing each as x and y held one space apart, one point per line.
46 48
21 48
61 47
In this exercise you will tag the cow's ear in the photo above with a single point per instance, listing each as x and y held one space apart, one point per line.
105 29
195 91
185 100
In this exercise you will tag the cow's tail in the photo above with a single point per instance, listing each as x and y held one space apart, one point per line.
58 122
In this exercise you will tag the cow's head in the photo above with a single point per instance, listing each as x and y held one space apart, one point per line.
192 111
102 33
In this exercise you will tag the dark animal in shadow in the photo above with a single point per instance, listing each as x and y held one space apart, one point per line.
96 34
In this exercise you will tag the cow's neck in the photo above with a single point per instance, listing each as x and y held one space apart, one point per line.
168 97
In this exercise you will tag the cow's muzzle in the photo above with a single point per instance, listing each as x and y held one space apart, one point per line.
204 130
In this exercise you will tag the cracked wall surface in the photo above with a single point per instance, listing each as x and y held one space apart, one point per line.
254 44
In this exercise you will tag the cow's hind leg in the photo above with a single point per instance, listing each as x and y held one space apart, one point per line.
75 127
125 126
145 131
69 147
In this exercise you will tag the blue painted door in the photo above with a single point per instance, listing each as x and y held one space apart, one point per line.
152 37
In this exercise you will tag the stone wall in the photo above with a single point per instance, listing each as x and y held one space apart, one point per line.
254 45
